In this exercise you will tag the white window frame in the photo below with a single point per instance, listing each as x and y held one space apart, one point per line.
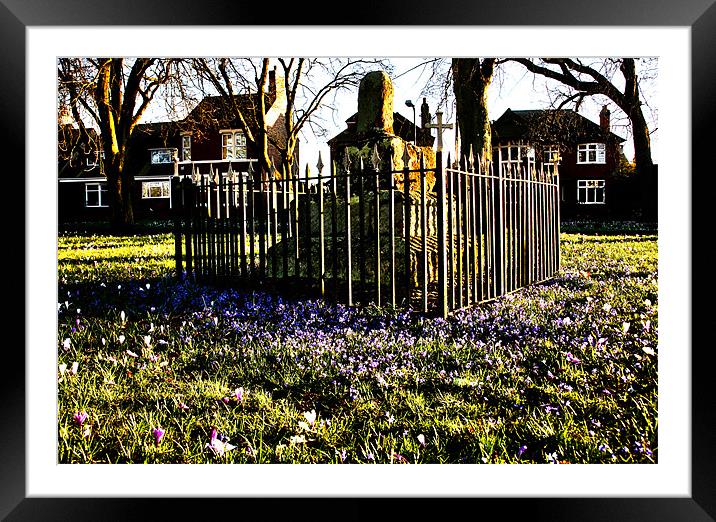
591 188
186 147
147 185
101 190
512 155
591 154
233 145
159 152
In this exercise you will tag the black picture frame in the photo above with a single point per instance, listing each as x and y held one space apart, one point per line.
699 15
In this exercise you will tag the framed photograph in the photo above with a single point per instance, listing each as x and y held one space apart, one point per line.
39 484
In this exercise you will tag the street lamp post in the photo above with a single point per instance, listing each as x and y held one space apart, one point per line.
409 103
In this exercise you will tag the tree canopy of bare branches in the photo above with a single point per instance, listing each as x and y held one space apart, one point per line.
310 84
113 94
603 77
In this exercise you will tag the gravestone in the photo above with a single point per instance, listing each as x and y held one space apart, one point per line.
375 132
374 129
375 105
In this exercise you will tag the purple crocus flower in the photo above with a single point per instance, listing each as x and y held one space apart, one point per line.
571 358
239 394
158 435
80 417
522 449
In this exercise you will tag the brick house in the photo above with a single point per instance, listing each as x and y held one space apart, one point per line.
208 134
588 156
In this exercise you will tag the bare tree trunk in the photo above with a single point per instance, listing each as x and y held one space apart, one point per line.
631 105
471 78
119 190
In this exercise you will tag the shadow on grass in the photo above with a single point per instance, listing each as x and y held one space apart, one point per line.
606 228
142 227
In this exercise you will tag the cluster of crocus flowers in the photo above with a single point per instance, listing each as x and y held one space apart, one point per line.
219 444
62 368
80 417
238 395
310 417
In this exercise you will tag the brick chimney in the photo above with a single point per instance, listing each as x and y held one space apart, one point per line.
272 81
604 119
275 83
276 97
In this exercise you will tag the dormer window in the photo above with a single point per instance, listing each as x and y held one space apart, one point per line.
233 145
591 153
162 156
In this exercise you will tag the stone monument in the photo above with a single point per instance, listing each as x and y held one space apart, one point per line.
374 129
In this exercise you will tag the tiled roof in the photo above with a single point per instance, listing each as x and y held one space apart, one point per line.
548 125
402 127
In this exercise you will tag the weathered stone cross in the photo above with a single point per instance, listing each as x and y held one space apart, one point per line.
440 126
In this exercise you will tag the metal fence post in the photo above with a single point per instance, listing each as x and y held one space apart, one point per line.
442 251
176 199
188 203
500 236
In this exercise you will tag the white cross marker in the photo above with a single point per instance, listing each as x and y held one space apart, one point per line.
440 126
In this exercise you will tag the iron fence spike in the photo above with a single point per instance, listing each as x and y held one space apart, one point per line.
319 165
346 160
406 156
375 159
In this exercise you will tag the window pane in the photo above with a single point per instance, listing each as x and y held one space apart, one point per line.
162 156
92 199
155 189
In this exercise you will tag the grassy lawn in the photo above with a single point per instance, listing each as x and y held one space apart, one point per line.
149 368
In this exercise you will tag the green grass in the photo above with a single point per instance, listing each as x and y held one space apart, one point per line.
562 371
